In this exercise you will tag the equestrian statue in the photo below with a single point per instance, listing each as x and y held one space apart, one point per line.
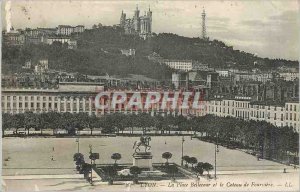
144 141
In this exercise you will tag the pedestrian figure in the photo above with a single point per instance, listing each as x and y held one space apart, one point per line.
52 148
52 159
165 142
284 170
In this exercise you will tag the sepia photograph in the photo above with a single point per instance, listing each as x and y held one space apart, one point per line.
150 95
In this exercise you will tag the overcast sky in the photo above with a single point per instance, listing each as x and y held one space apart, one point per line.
266 28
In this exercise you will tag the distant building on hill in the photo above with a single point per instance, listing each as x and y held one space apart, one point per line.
27 65
41 67
68 30
72 44
223 73
13 38
289 76
259 77
287 69
201 66
139 25
183 65
39 31
155 57
128 52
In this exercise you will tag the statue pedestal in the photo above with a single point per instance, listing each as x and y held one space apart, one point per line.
143 160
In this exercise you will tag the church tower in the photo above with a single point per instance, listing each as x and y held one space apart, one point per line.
122 19
136 20
149 15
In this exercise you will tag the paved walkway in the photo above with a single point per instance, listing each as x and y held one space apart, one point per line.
76 182
17 177
80 176
255 171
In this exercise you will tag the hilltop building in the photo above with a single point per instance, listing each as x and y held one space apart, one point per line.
181 65
41 67
128 52
289 76
68 30
13 37
139 25
72 44
27 65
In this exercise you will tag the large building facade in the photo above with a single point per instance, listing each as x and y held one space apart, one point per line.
39 35
141 25
69 97
76 98
14 38
182 65
68 30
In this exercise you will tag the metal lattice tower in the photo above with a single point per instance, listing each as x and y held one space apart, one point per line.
203 24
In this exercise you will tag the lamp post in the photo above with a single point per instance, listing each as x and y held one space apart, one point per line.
182 141
216 151
77 141
91 151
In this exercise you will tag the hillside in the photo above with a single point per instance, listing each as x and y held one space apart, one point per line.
99 53
215 53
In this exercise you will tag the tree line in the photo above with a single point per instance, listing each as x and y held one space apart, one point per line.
266 139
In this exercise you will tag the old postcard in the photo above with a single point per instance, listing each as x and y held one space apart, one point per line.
150 95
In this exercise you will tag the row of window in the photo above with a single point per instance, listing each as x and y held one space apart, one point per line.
26 98
247 105
291 107
45 110
50 106
258 114
237 104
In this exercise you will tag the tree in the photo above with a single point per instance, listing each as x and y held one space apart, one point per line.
134 170
77 156
207 167
30 121
6 122
18 121
123 123
50 120
110 172
79 161
145 121
91 122
172 170
85 169
108 123
68 123
199 169
193 160
158 123
116 157
46 120
169 122
167 156
183 123
186 160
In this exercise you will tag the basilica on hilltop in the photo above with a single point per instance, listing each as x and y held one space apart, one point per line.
139 24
